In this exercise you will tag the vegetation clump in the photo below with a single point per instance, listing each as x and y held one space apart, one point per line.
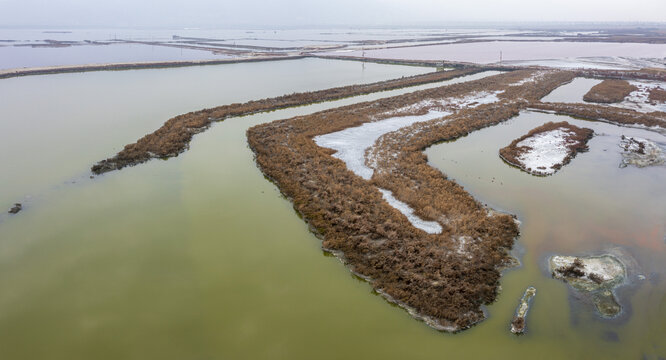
657 95
610 114
16 208
575 269
519 323
609 91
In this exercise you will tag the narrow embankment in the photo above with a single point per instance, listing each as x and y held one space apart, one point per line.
175 135
62 69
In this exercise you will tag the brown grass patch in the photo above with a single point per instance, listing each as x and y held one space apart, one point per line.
610 114
657 95
609 91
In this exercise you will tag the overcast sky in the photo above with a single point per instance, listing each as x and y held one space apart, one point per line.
228 13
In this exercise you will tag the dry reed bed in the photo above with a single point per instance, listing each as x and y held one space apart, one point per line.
609 91
576 141
175 135
610 114
657 95
644 74
442 278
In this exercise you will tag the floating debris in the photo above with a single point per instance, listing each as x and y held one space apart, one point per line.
518 323
16 208
640 152
595 277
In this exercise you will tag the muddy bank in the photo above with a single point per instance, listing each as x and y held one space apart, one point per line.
643 74
545 149
609 91
175 135
443 277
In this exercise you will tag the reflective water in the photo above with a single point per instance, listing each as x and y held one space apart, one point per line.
489 52
590 206
12 57
201 257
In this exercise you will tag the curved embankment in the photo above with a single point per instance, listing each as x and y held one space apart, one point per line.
442 278
175 135
61 69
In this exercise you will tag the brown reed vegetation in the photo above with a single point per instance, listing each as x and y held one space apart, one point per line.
657 95
446 277
609 91
610 114
645 74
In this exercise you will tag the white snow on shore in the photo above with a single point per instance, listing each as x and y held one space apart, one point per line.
639 99
547 149
536 76
431 227
470 101
351 143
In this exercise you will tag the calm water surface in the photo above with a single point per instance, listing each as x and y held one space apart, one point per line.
591 206
489 52
201 257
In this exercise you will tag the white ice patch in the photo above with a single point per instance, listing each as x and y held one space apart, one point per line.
470 101
547 149
431 227
597 62
639 99
538 75
351 143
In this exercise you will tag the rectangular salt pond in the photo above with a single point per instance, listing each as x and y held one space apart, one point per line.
489 52
12 57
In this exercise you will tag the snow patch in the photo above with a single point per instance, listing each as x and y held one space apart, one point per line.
639 99
547 149
351 143
431 227
470 101
536 76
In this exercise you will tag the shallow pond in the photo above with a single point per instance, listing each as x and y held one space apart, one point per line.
201 257
590 206
489 52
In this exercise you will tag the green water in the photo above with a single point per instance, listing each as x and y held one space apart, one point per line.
200 257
